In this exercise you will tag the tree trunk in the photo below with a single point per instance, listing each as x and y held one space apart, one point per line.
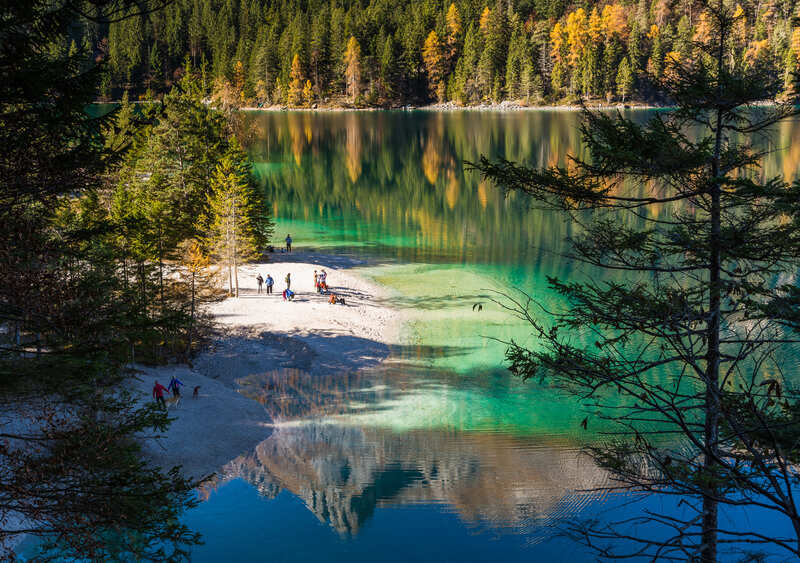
708 549
228 246
125 270
191 319
161 269
235 251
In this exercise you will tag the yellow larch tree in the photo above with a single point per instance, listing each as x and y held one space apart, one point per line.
352 73
597 28
577 35
238 83
484 21
615 20
454 29
453 20
295 94
433 56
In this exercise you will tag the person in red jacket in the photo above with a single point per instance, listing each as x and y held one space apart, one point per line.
158 394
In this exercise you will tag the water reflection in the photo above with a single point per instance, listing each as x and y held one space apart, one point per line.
444 425
349 444
398 179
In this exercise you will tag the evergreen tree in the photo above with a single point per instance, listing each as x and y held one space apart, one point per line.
71 466
624 78
681 350
388 68
655 64
231 234
569 47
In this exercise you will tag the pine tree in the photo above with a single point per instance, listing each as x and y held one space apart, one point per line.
624 78
231 234
77 479
655 64
201 280
388 68
682 349
466 84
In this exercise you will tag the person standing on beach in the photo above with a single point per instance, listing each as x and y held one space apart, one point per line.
323 281
158 394
288 243
288 281
316 281
175 384
260 281
270 283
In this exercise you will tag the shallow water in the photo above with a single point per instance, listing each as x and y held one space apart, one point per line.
439 454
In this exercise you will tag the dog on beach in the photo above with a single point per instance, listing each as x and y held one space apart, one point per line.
196 392
173 401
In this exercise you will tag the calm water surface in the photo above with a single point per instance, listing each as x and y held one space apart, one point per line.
438 455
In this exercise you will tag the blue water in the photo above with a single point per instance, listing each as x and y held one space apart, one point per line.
283 529
442 456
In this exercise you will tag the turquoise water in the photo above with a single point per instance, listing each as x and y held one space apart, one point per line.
439 455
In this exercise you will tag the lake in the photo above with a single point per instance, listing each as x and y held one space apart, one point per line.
438 455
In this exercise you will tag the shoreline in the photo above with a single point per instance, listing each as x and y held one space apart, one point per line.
260 338
450 107
506 106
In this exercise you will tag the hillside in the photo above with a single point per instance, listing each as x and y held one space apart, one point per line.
394 52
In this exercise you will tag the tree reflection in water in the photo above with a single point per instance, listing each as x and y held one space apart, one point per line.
345 445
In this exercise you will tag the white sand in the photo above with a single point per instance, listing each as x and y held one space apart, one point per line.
208 430
263 334
365 314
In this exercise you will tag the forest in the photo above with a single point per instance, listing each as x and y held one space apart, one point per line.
389 53
116 228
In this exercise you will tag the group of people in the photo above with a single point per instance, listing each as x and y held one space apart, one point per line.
270 283
174 385
321 281
320 284
261 281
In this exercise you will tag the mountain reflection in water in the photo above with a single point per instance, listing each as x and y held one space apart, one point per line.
338 446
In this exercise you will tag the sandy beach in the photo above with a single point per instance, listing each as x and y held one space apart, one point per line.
262 335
